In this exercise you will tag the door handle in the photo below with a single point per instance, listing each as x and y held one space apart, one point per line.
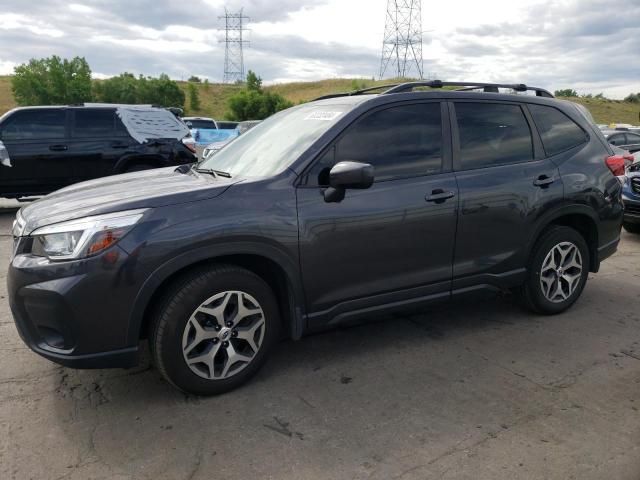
58 148
439 196
543 181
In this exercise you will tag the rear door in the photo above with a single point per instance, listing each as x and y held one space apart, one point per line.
505 183
394 241
37 143
97 142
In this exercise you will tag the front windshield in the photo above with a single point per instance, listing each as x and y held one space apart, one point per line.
271 146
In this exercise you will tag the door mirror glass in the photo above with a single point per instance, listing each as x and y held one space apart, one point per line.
346 175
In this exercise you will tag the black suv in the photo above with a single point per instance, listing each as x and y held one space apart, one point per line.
51 147
325 213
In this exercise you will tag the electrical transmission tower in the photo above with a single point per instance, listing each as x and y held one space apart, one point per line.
402 44
234 44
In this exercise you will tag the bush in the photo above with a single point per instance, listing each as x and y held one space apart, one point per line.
194 98
51 81
252 103
567 92
126 88
194 79
632 98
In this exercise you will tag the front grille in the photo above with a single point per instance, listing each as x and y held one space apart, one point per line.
635 184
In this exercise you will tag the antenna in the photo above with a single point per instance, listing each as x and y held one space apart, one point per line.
402 44
233 55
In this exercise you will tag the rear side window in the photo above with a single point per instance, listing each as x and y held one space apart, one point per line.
93 123
558 131
492 134
35 125
403 141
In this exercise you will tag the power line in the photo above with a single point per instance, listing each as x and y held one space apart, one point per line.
234 44
402 44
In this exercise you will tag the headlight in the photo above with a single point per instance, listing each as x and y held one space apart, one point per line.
83 237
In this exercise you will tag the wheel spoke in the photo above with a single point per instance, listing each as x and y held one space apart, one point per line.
233 357
249 333
201 335
207 358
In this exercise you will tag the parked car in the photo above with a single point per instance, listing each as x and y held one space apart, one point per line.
342 208
200 123
226 125
214 147
624 139
631 198
244 127
48 148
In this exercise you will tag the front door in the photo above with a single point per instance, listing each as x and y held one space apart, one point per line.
389 244
36 141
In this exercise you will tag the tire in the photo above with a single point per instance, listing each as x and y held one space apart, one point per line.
203 297
139 167
632 227
541 292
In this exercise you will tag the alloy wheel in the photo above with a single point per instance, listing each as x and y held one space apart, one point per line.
223 335
561 272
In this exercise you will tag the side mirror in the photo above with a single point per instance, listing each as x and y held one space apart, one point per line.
346 175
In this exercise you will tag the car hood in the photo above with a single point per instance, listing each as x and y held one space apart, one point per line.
146 189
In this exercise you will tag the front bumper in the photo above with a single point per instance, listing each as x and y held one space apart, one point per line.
75 313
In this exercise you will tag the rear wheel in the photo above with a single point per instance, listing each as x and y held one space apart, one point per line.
557 271
214 330
632 227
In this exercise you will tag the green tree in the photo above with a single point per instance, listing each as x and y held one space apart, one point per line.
52 80
126 88
206 84
194 98
632 98
254 82
194 79
567 92
253 103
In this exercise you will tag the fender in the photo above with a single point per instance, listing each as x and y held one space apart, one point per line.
192 257
560 211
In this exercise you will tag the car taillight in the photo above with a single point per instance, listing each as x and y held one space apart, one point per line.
618 163
191 147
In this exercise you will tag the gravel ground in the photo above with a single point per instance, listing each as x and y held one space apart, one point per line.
478 390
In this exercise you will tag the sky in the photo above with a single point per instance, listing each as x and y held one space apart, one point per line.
592 46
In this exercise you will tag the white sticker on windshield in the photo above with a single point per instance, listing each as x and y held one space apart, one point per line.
326 116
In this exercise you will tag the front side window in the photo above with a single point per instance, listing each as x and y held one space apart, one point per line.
492 134
399 142
93 123
632 139
558 132
617 139
35 125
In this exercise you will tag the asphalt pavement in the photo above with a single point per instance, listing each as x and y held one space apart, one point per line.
474 390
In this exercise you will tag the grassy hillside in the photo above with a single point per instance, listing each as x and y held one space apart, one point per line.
213 98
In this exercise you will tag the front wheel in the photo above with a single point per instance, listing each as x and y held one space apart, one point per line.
557 271
214 330
632 227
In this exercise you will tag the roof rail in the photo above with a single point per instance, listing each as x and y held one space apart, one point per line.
467 86
356 92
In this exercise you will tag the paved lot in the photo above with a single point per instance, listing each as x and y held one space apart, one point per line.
478 391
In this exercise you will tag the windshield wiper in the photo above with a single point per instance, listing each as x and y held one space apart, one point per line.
212 172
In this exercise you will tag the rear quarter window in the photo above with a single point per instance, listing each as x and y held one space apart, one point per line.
558 132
